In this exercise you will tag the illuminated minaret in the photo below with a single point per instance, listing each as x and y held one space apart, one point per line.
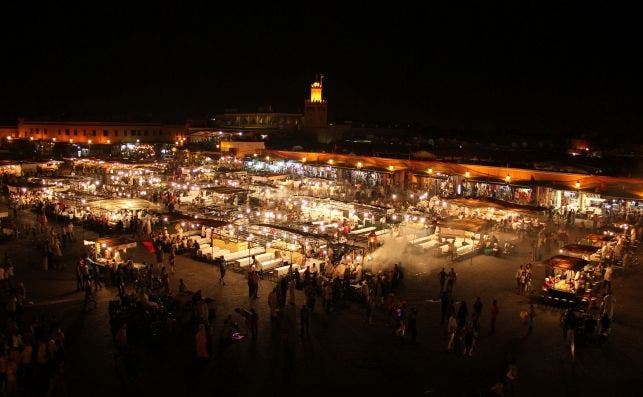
316 108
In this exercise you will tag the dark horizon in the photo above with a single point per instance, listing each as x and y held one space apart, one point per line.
556 71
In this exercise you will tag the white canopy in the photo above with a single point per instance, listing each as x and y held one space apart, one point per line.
122 204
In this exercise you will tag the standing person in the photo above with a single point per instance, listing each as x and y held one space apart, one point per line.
304 321
607 278
495 310
452 329
518 278
477 312
253 321
90 295
291 291
411 325
451 280
172 259
255 284
250 284
201 343
397 275
452 250
159 256
463 312
370 306
272 303
221 263
442 277
165 280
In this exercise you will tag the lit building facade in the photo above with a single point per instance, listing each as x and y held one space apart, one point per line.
99 132
316 108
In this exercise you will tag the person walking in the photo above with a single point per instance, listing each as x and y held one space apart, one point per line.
222 269
495 310
442 276
304 321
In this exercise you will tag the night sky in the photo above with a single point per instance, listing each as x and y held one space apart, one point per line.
557 70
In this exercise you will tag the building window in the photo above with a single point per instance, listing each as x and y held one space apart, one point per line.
93 132
60 132
75 131
145 132
66 131
115 132
105 133
45 130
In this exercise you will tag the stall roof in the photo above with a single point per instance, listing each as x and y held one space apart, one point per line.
499 204
567 262
215 223
114 242
579 249
225 189
594 237
122 204
470 225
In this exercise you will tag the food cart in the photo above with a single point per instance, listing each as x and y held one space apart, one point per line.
568 281
108 250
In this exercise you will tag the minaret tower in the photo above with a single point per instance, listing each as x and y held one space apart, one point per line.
316 108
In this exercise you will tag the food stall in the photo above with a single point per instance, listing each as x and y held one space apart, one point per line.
107 251
568 280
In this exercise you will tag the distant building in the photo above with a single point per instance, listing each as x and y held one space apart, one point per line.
8 131
99 132
241 149
316 108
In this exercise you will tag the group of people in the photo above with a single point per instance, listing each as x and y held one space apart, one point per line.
31 349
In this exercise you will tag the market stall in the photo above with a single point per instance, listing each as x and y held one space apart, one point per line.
568 280
108 251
